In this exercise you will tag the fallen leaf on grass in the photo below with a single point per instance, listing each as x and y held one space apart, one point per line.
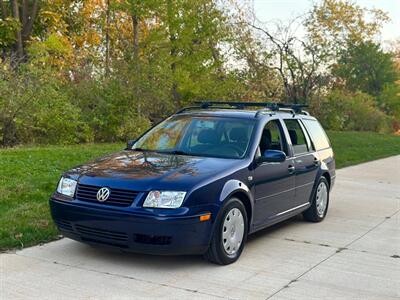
43 223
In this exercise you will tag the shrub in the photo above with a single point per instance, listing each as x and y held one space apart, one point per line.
389 101
35 108
342 110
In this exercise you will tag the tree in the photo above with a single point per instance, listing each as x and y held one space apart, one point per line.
333 24
297 62
366 67
194 30
16 27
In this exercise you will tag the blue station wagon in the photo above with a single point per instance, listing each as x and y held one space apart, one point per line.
201 181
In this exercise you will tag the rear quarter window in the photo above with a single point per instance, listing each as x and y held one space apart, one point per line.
317 133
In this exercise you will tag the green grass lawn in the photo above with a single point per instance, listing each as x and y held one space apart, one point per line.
356 147
28 176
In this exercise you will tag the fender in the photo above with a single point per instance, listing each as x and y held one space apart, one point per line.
233 186
323 168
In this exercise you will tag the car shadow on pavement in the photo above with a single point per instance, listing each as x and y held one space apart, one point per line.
284 225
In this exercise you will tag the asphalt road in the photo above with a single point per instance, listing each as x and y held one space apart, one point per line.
353 254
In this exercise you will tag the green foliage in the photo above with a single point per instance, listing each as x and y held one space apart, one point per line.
51 52
333 24
8 28
365 67
109 109
35 108
341 110
389 100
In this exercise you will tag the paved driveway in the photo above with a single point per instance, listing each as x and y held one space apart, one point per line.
354 253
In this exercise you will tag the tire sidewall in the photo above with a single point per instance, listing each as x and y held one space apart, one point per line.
320 218
225 257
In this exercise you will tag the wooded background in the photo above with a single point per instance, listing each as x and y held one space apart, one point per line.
105 70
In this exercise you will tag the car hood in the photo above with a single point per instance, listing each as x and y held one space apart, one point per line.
143 171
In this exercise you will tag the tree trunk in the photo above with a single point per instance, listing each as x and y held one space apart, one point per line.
30 19
26 15
9 133
18 48
174 90
24 11
176 97
108 39
135 25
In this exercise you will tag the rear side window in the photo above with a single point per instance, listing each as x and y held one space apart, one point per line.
297 136
317 133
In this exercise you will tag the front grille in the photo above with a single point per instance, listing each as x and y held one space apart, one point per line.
115 236
117 197
152 239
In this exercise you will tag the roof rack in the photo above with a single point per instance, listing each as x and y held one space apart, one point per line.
267 107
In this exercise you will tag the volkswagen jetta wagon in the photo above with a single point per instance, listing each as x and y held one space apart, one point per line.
201 181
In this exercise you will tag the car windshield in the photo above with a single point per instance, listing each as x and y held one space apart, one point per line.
199 136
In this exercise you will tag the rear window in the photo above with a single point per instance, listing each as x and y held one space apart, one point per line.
317 134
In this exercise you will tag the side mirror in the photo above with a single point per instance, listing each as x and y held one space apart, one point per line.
272 156
130 144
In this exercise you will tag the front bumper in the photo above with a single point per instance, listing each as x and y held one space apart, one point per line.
172 235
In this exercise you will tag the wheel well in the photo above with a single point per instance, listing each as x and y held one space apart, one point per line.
246 202
327 177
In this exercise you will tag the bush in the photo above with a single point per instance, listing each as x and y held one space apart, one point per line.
35 108
109 109
389 101
342 110
38 108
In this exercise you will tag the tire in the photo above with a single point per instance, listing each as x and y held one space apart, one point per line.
232 211
316 212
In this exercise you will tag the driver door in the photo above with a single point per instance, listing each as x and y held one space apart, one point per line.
274 182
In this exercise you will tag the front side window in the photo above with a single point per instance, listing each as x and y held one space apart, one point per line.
271 138
199 136
297 136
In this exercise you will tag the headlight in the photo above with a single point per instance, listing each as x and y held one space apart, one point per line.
67 186
164 199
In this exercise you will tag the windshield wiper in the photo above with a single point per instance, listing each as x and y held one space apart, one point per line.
177 152
139 149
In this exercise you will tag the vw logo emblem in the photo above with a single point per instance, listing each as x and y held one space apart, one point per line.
103 194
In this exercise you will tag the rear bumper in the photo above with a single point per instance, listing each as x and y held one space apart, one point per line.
132 232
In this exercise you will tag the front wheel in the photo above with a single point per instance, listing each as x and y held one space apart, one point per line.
229 235
320 202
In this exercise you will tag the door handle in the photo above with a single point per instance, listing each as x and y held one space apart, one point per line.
291 169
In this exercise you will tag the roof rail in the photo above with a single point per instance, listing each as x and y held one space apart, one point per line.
236 104
266 106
